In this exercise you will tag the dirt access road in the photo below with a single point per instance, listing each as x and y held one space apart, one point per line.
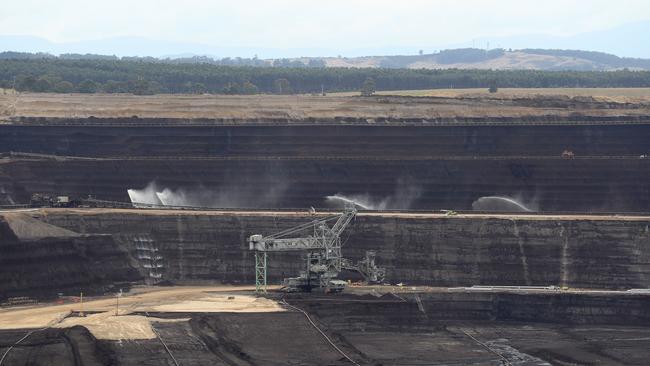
286 213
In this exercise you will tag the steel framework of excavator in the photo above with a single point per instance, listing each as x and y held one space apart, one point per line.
323 260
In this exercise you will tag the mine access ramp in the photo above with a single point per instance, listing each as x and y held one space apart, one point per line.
323 259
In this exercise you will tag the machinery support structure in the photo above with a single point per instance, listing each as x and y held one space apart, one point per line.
321 244
260 272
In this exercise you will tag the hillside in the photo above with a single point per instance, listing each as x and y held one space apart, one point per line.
460 58
498 59
98 74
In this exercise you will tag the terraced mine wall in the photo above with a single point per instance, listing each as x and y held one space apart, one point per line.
579 185
284 164
394 138
49 263
420 310
438 251
561 329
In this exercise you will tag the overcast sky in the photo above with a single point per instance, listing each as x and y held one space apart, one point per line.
333 24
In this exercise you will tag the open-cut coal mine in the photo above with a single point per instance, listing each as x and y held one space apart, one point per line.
304 230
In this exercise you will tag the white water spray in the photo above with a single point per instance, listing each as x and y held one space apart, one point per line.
348 201
7 196
144 197
225 196
170 198
499 204
407 191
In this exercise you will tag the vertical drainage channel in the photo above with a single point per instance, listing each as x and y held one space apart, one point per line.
522 253
181 248
564 259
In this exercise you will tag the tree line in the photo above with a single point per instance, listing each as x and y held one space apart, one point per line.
138 76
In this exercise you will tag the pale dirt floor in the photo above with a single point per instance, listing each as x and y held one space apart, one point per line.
298 107
103 323
617 94
108 326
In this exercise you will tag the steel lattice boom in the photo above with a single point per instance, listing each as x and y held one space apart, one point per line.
323 258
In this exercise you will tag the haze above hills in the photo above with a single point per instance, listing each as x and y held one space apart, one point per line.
629 40
618 48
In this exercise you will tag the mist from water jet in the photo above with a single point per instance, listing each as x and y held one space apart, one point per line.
225 196
406 192
348 201
499 204
144 197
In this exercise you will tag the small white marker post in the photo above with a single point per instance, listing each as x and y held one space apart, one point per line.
81 304
117 302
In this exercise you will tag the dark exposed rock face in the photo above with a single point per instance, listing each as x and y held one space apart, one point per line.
54 347
298 165
577 253
436 307
461 328
599 185
118 247
43 267
286 165
534 329
169 138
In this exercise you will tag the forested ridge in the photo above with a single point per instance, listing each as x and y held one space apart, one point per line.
149 76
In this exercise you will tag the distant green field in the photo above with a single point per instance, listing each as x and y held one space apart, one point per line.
596 92
7 91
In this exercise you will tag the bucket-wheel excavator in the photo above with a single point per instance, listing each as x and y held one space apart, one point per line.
323 260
